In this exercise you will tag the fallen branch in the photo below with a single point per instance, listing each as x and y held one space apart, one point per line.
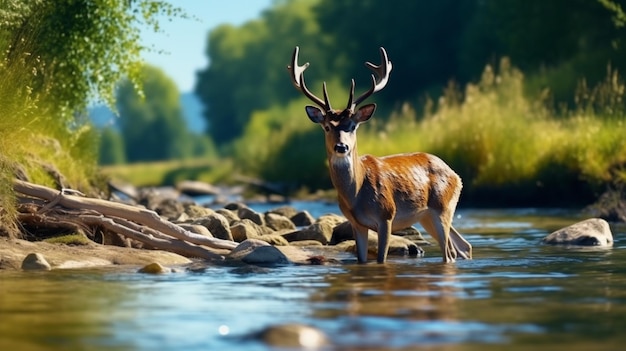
142 216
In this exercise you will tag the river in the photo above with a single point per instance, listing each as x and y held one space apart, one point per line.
516 294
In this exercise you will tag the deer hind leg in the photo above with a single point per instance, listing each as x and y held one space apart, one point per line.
361 237
461 246
437 224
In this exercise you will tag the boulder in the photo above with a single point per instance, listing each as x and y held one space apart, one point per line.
320 231
254 251
247 213
398 246
217 225
274 239
196 188
293 336
277 221
35 262
286 211
302 219
196 211
245 229
230 215
590 232
154 268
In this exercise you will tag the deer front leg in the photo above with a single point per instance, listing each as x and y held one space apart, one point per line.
384 232
360 234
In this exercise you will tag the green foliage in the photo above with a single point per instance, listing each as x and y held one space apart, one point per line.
152 125
111 147
55 58
248 65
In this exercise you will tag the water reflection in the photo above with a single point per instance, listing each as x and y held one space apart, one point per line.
429 292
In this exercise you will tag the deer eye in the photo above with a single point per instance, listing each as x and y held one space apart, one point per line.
327 128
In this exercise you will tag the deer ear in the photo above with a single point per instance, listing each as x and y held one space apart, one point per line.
316 115
364 113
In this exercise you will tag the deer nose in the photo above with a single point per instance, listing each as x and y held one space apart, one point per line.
341 148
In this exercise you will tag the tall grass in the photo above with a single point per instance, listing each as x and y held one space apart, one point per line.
509 147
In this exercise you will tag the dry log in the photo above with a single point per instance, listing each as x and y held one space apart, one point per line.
107 208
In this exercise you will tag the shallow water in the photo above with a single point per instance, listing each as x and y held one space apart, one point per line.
514 294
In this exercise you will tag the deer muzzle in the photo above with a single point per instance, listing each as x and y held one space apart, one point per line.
341 148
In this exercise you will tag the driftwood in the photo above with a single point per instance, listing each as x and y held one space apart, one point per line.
129 221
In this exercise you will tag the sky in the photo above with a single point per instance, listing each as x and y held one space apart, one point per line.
184 40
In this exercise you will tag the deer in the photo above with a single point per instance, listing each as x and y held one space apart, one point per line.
389 193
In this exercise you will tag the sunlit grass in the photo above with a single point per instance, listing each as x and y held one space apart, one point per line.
499 138
171 172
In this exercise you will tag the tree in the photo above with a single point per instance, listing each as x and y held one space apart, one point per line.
247 68
152 125
111 147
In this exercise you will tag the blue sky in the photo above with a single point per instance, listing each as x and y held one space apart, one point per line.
184 40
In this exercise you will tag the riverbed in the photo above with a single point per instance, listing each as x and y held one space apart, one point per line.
516 294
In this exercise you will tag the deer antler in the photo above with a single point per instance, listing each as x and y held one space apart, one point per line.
297 78
382 71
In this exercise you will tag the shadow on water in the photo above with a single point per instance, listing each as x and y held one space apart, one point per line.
514 295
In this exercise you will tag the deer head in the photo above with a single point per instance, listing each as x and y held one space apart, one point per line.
340 124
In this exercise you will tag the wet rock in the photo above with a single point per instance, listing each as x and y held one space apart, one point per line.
245 229
248 213
341 233
170 208
590 232
320 231
254 251
412 234
195 211
302 219
217 225
293 336
196 188
306 243
331 219
277 221
235 206
398 246
286 211
274 239
230 215
154 268
35 262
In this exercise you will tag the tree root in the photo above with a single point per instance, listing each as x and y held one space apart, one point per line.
45 206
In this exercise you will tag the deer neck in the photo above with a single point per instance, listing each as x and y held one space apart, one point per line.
347 175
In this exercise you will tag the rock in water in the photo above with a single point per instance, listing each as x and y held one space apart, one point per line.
154 268
35 262
293 336
590 232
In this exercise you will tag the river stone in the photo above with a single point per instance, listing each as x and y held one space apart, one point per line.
277 221
590 232
343 232
230 215
244 229
195 211
254 251
274 239
293 336
398 246
154 268
35 262
320 231
246 212
286 211
302 219
217 225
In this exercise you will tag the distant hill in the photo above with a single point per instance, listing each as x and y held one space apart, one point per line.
102 116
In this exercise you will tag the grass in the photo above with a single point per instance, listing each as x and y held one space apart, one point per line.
171 172
510 147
